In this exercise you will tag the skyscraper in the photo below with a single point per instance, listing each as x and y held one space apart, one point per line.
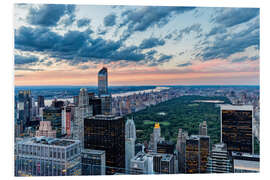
107 133
40 103
54 115
41 156
45 129
130 138
203 128
155 137
181 149
82 111
93 162
197 152
219 161
103 81
141 164
237 127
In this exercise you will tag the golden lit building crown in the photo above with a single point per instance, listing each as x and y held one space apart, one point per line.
157 125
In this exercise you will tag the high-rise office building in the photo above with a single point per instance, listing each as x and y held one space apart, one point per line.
181 149
165 147
103 82
203 128
245 162
42 156
219 161
155 137
106 104
192 154
167 164
141 164
40 103
93 162
54 115
24 110
66 120
82 111
204 153
95 102
237 127
197 152
45 129
130 138
107 133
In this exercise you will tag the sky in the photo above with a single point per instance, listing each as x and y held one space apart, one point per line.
140 45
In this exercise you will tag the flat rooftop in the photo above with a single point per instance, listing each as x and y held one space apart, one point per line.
48 141
93 151
104 117
247 165
236 107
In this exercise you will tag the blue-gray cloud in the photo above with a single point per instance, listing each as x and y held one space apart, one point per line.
76 46
22 60
230 43
150 16
109 20
233 16
49 14
241 59
151 42
178 34
83 22
185 64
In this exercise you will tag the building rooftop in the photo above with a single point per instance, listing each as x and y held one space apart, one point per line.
236 107
105 117
246 165
93 151
48 141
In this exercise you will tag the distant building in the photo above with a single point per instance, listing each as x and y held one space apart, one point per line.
106 104
203 128
54 115
93 162
107 133
82 111
130 138
237 127
43 156
66 120
167 164
45 129
103 82
95 102
219 161
24 111
57 104
141 164
40 103
245 162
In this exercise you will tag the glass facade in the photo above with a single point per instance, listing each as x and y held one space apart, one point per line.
107 133
237 130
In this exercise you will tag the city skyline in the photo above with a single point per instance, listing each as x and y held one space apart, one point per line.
68 44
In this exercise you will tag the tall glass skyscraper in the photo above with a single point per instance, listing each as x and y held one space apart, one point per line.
107 133
237 127
130 138
103 81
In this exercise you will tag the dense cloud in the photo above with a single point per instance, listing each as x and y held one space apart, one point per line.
109 20
233 16
49 14
178 34
21 60
151 42
75 46
150 16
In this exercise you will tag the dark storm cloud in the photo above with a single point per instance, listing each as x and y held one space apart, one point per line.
234 16
74 46
83 22
227 44
49 14
151 42
109 20
185 64
145 17
22 60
